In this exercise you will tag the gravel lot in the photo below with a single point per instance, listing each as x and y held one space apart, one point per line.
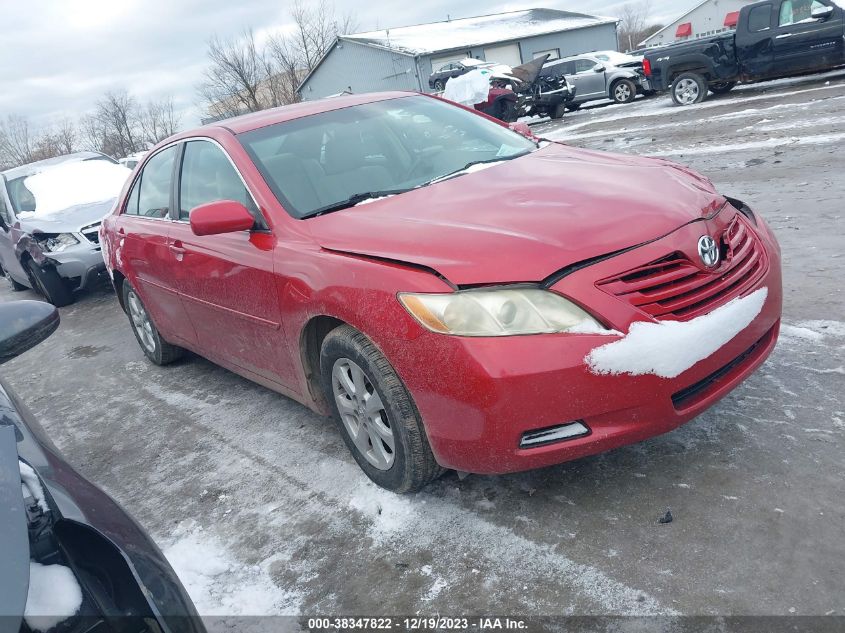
262 510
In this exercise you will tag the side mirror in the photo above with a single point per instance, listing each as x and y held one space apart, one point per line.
23 325
222 216
523 129
821 13
599 68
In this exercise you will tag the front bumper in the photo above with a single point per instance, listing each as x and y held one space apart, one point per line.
492 391
82 266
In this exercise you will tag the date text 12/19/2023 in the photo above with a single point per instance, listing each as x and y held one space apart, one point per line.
416 623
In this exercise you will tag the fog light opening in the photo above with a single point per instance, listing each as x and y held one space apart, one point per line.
560 433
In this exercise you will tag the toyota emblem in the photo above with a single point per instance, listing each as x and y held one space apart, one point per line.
708 251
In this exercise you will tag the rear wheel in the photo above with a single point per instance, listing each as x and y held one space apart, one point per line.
722 87
153 345
688 89
623 91
438 85
49 284
375 413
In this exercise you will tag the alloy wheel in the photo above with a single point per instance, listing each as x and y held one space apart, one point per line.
141 322
686 91
363 414
622 92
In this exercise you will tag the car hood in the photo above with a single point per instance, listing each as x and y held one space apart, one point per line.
525 219
69 220
14 538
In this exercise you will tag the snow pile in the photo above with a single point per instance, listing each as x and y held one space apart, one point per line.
30 481
71 184
218 584
468 89
389 513
669 348
54 595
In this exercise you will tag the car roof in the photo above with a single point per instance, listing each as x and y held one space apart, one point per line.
38 166
256 120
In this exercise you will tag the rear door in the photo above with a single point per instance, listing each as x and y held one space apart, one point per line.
803 42
226 282
143 251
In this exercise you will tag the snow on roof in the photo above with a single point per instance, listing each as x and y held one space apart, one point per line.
466 32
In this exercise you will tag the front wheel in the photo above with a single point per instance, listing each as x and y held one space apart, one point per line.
558 111
438 85
377 417
153 345
722 87
623 91
49 284
688 89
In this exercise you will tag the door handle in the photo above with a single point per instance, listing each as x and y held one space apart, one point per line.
176 248
120 231
784 36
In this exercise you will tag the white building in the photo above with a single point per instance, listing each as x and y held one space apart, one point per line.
707 18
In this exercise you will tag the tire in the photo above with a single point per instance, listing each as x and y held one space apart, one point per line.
351 364
439 85
14 285
623 91
722 87
572 107
152 344
558 111
689 89
49 284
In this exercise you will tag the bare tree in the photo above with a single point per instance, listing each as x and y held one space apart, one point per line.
118 116
55 140
234 77
16 141
635 24
158 120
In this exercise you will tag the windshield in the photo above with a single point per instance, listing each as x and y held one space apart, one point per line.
317 162
64 185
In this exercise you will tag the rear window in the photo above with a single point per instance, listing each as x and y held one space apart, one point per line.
393 145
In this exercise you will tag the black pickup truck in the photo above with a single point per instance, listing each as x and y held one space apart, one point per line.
773 39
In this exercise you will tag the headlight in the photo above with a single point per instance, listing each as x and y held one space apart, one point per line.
500 312
56 242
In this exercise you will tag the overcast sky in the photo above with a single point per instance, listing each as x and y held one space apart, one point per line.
58 56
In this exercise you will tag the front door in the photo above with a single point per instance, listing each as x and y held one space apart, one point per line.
8 256
803 42
755 44
226 281
590 84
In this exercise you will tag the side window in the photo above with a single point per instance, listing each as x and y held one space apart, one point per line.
4 212
569 68
794 11
154 191
760 18
208 176
132 202
584 65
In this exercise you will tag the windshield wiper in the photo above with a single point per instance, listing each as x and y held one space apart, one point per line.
352 200
460 172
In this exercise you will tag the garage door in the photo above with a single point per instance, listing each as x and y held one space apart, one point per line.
504 54
438 62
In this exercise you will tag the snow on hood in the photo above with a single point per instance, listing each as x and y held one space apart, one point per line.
523 220
74 184
669 348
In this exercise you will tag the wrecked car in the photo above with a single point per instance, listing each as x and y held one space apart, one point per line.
72 559
455 294
50 213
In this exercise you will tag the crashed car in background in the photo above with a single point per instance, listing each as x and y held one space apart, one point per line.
510 95
50 213
598 76
437 80
72 560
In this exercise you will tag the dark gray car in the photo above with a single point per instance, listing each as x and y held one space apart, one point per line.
96 569
55 254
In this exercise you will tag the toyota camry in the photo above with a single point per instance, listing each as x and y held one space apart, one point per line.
456 293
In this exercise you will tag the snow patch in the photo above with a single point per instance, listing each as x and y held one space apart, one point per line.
792 331
30 480
669 348
389 513
54 596
71 184
219 584
818 139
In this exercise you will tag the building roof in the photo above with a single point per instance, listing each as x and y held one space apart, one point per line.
423 39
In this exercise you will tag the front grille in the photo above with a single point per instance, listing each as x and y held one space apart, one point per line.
91 233
673 288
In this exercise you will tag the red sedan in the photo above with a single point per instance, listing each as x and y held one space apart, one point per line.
456 294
